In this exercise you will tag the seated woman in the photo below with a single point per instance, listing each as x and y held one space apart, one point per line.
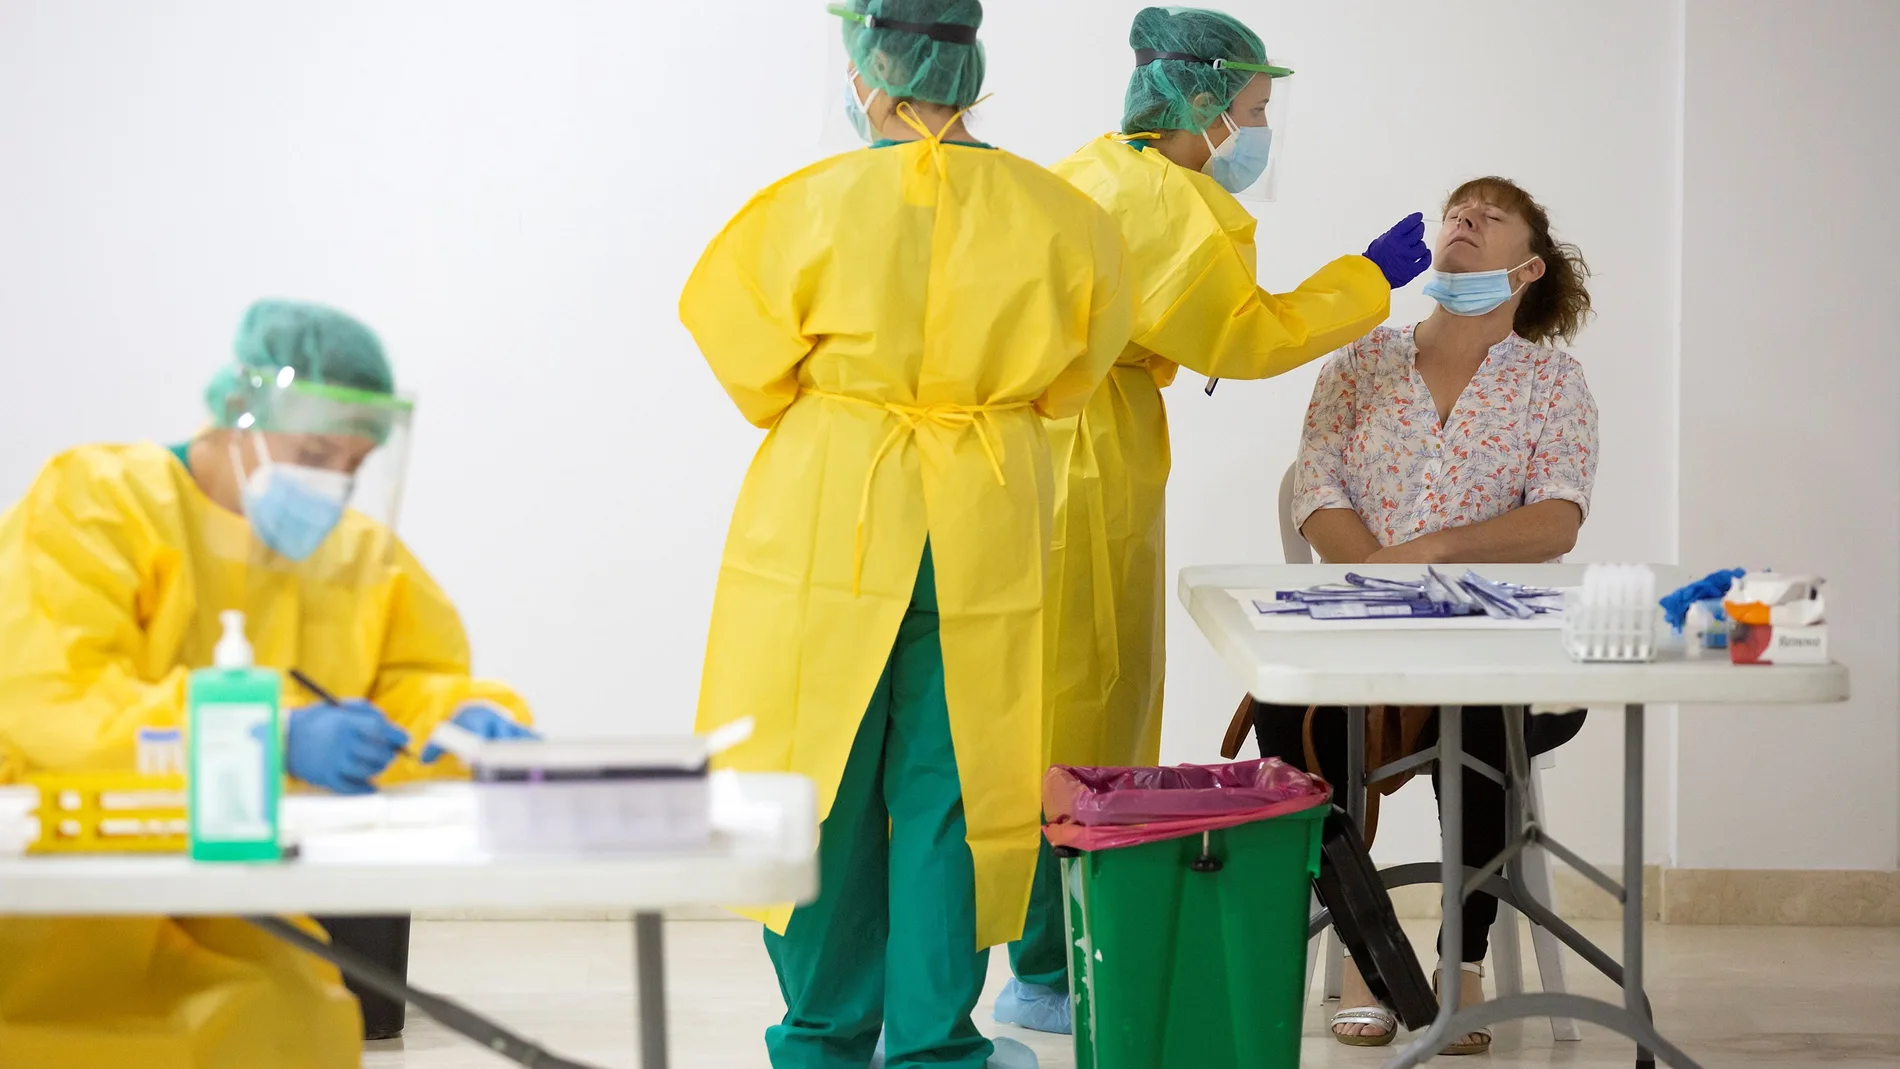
1466 439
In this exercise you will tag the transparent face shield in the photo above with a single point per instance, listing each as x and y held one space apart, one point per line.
315 465
838 130
1248 158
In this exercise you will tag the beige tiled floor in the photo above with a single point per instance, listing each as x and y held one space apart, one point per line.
1729 996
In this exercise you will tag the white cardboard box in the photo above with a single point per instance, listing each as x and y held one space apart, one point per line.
1785 645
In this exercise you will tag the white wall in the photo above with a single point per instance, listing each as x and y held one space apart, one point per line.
1790 442
512 194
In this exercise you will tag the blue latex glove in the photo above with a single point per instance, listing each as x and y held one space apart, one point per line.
485 721
341 747
1714 585
1401 252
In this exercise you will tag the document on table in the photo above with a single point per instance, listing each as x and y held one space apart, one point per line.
1256 604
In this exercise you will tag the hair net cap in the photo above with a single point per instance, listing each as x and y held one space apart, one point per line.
913 66
1173 94
321 345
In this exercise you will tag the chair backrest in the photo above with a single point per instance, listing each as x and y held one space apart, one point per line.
1292 545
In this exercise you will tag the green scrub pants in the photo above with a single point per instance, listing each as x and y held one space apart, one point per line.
891 940
1041 956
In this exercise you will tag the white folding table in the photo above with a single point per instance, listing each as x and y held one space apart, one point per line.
767 856
1356 666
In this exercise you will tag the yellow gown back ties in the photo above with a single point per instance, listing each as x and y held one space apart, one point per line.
1198 304
899 317
113 570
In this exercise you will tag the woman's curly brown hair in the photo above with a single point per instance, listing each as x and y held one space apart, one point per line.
1556 305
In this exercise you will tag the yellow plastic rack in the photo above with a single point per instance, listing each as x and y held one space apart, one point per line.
79 813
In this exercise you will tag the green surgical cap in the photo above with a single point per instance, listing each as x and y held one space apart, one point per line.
1173 94
908 65
321 345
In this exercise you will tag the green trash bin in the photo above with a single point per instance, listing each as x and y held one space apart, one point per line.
1190 953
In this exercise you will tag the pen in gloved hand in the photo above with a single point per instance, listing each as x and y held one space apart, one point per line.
328 698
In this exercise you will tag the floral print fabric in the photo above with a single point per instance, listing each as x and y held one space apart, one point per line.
1523 431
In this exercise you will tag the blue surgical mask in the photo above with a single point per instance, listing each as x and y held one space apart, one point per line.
293 508
1472 293
1239 161
858 111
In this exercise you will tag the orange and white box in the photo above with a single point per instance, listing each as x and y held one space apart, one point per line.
1776 619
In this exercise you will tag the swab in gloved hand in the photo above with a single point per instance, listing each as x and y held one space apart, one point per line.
484 723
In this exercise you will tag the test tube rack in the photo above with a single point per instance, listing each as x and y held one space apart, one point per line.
1612 617
109 813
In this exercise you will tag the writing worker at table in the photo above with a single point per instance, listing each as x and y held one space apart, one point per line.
114 569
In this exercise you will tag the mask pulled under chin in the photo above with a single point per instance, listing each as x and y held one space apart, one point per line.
1473 293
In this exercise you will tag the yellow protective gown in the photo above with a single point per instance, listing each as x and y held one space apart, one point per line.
898 317
113 570
1191 262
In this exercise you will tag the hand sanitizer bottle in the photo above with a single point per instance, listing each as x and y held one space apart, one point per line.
235 765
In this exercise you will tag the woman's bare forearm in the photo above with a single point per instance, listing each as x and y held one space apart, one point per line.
1340 536
1528 535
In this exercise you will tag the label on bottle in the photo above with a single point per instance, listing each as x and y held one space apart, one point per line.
229 795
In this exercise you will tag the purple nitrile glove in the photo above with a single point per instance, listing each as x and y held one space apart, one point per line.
1401 252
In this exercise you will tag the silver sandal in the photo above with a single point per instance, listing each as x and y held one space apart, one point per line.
1464 1046
1373 1015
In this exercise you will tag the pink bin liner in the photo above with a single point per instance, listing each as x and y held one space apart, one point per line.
1105 808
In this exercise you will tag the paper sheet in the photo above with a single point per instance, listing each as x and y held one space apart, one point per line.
1298 622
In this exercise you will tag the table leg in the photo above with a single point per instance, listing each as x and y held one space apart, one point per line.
1423 872
1356 765
1633 993
448 1013
1355 805
1507 961
1451 876
649 964
1451 816
1529 871
1633 1018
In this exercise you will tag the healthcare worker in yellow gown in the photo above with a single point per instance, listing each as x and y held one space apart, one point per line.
113 571
900 319
1194 133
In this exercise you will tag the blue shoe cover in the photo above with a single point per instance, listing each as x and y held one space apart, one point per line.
1037 1008
1009 1055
